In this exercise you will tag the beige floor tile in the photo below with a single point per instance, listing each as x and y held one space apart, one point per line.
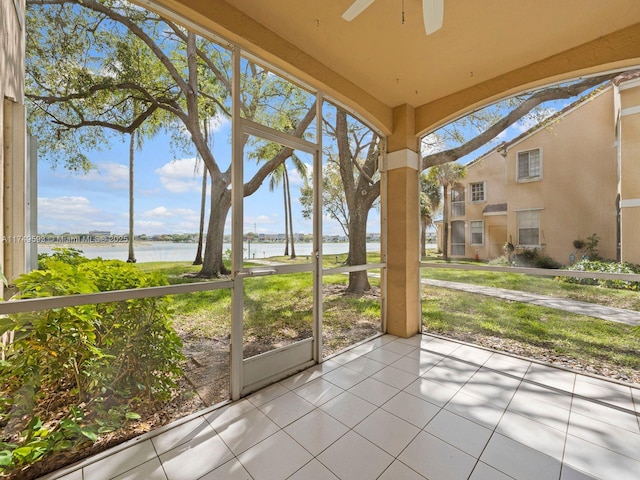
353 457
387 431
435 459
274 458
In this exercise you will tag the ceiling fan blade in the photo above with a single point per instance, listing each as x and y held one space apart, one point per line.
356 9
433 14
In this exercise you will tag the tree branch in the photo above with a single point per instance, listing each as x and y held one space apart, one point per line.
252 185
555 93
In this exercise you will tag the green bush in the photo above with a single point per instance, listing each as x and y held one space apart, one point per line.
604 267
70 256
99 359
545 261
533 258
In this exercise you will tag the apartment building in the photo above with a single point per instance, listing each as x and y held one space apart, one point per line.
572 176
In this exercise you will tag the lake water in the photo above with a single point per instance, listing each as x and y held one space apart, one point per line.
171 252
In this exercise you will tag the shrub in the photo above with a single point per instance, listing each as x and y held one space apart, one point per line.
502 261
545 261
70 256
98 359
604 267
533 258
591 248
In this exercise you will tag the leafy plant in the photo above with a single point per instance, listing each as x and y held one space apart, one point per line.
102 357
68 255
591 247
533 258
604 267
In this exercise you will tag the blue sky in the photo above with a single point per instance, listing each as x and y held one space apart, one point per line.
167 193
167 190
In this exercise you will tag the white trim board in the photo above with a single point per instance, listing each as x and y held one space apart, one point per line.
631 202
403 159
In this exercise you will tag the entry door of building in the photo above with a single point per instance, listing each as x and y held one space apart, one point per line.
497 239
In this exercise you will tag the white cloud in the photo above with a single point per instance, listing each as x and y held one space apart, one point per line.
71 214
179 176
65 207
218 123
294 176
432 143
168 212
151 227
168 220
529 121
114 174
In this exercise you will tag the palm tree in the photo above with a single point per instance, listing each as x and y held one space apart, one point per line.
281 175
446 175
203 197
132 148
430 199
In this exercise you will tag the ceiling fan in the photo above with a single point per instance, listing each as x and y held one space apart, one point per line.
432 13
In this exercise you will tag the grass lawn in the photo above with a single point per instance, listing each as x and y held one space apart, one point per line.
540 285
530 330
278 309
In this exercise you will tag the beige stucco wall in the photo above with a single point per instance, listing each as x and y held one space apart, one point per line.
12 138
577 191
575 196
490 169
630 172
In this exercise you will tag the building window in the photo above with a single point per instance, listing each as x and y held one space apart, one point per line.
457 237
529 166
529 227
457 201
477 192
476 232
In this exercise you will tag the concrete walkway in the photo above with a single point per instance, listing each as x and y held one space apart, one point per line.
621 315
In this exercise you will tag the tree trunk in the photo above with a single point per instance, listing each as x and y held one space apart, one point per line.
213 265
286 219
203 198
132 148
445 223
423 235
288 190
203 201
358 281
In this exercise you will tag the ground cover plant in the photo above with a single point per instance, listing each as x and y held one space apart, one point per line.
604 267
74 374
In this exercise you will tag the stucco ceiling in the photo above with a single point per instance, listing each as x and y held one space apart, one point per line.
393 63
398 63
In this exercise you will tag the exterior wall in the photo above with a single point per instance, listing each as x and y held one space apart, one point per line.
491 170
575 195
12 139
630 171
578 187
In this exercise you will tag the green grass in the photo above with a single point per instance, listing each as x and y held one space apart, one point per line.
539 285
585 339
278 309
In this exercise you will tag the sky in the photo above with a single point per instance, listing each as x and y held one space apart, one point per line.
167 193
168 190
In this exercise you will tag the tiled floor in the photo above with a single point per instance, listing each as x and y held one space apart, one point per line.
403 409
